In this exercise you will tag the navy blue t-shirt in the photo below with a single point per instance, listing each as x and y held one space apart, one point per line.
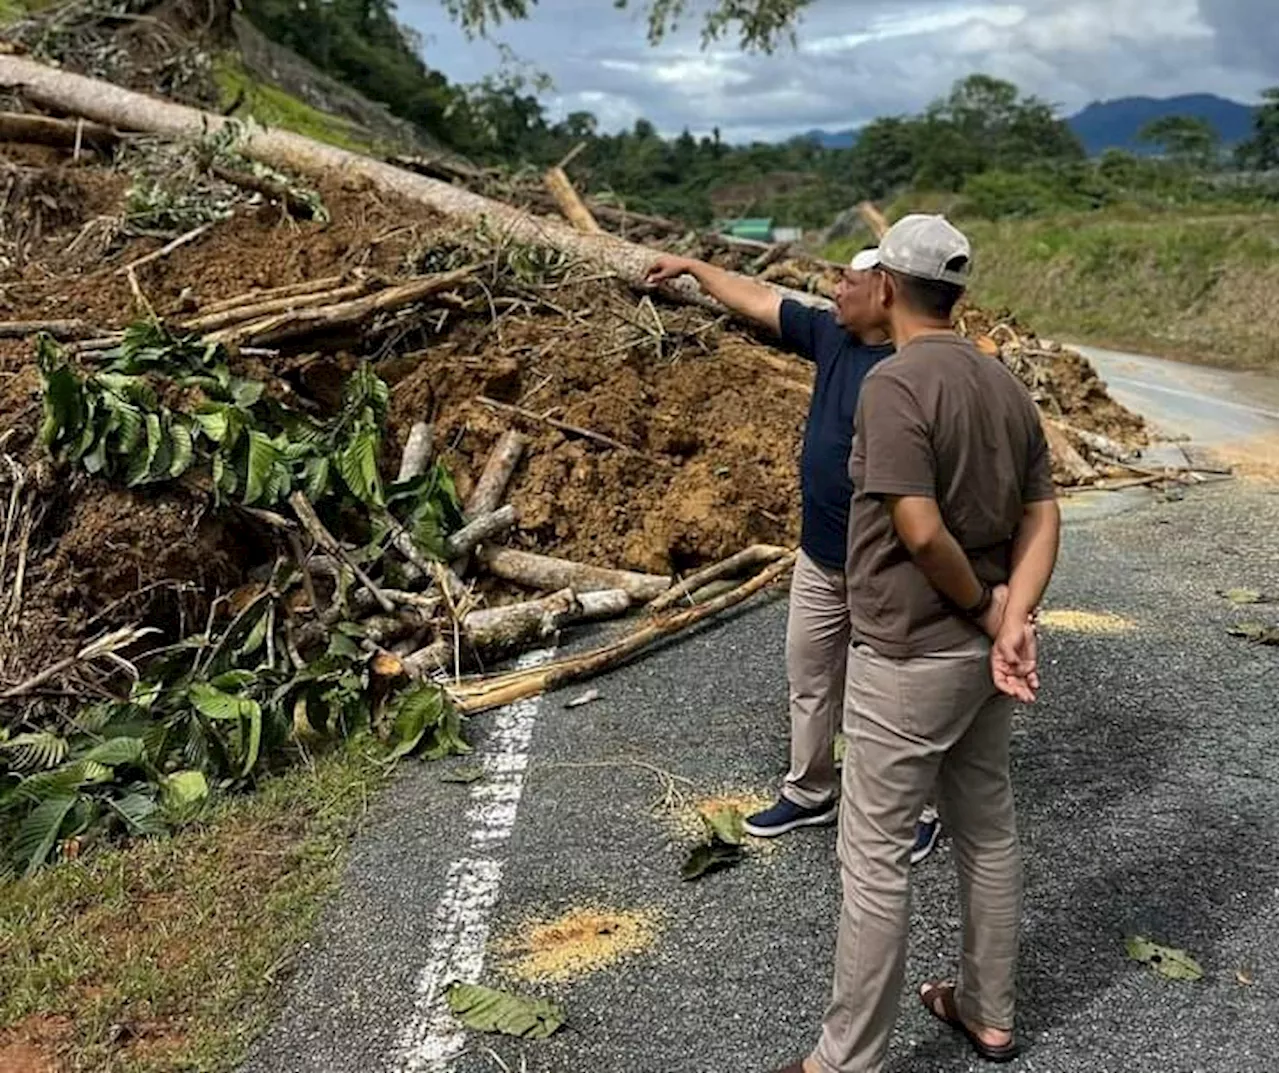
825 489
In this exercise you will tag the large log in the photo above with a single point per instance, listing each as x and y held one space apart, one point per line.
124 109
549 574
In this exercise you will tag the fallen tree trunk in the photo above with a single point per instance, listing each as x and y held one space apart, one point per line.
549 574
1066 459
59 133
495 477
126 110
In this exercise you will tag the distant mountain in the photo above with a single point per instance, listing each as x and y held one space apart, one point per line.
1115 124
832 139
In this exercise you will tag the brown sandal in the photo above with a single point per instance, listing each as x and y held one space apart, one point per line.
939 998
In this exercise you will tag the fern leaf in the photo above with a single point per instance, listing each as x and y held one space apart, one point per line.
36 751
263 456
358 465
38 832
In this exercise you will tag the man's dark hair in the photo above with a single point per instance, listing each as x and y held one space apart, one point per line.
931 298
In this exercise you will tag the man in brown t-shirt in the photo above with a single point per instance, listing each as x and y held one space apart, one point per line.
953 535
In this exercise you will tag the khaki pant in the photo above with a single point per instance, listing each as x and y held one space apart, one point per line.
817 651
910 723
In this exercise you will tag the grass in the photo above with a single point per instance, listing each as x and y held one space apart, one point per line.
164 954
273 107
1199 287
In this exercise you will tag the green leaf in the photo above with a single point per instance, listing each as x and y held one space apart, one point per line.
1242 596
38 832
117 752
234 679
709 857
358 466
263 455
128 422
258 635
140 813
213 703
63 405
214 424
315 478
251 739
470 773
725 824
245 393
1256 632
486 1009
343 646
35 751
182 447
1174 964
415 711
183 789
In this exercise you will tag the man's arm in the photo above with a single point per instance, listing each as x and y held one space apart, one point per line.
1035 552
938 554
752 300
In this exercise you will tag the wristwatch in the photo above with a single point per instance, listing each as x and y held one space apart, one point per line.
980 608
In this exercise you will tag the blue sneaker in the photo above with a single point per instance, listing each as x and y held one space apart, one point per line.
787 816
928 827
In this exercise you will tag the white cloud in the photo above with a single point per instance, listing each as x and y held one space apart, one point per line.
857 59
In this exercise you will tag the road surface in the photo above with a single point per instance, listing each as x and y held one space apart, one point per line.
1146 785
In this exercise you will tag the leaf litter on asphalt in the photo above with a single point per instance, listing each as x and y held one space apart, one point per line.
487 1009
1166 960
722 848
466 773
1241 596
1256 632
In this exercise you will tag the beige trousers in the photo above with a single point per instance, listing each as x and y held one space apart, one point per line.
817 651
910 723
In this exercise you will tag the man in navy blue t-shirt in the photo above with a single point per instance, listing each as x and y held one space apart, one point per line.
844 344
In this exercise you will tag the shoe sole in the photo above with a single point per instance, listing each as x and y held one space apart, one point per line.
918 855
824 819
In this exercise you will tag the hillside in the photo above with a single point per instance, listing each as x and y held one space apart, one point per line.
1115 124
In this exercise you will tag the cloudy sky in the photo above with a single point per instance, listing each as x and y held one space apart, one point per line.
857 59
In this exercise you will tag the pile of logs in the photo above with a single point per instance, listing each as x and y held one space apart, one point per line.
431 628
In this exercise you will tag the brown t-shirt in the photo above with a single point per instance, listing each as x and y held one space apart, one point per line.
938 419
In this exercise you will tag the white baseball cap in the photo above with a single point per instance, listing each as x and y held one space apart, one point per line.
865 259
927 247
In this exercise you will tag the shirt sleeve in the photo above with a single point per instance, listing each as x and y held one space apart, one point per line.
897 448
803 328
1039 482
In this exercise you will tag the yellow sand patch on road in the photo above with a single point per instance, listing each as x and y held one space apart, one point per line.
1084 621
579 942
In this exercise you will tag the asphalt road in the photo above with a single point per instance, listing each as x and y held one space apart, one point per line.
1146 783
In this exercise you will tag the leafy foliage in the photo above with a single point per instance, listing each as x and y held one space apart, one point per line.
486 1009
114 423
211 713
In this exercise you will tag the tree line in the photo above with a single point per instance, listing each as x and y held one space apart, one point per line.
997 151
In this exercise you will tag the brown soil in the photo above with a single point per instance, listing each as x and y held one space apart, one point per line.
35 1045
713 429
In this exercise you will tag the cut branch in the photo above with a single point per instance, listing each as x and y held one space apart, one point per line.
59 133
165 250
417 452
311 522
479 529
299 323
241 314
498 468
59 329
572 430
568 201
755 555
291 290
486 693
549 574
